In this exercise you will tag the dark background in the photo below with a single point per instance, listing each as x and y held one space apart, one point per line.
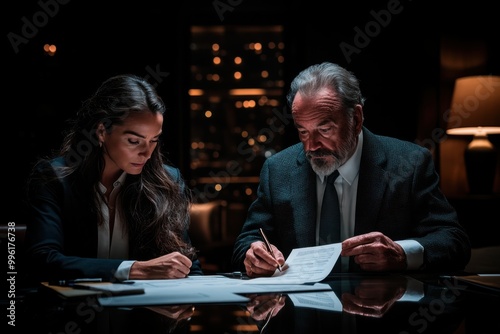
401 66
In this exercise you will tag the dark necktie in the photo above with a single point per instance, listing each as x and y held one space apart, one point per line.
329 226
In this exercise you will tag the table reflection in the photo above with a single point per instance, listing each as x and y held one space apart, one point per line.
355 304
374 297
366 304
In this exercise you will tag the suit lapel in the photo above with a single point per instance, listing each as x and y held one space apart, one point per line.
372 184
304 201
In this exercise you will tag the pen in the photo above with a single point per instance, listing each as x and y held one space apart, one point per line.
74 281
234 274
268 246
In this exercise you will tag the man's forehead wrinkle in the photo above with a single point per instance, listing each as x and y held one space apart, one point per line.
321 104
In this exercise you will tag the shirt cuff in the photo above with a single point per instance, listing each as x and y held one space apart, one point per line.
414 253
414 291
123 271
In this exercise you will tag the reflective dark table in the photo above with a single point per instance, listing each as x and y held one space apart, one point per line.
385 303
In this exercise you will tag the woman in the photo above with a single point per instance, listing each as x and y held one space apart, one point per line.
108 205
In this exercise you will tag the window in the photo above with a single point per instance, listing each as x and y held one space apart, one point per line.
236 98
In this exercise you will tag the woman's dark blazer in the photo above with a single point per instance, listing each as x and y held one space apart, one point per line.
61 235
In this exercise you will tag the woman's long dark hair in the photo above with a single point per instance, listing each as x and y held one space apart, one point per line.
154 206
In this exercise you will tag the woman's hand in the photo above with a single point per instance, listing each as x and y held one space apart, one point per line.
172 265
179 312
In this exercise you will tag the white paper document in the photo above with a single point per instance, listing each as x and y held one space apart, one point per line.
305 265
202 289
326 300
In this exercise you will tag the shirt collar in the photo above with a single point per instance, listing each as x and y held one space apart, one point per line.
350 169
118 183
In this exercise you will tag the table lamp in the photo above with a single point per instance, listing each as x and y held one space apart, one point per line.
475 111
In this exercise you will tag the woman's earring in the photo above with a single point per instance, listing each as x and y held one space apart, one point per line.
100 144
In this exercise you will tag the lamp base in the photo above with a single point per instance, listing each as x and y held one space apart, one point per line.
480 165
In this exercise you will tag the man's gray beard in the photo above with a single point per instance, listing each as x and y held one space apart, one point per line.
325 169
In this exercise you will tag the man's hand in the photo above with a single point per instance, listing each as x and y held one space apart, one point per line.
373 298
259 262
262 307
375 252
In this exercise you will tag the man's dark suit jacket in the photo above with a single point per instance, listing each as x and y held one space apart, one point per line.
61 237
398 195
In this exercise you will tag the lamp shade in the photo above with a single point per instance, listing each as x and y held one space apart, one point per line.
475 110
475 103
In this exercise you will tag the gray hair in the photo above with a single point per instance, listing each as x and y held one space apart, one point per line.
330 75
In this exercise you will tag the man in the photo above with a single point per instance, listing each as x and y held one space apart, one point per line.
393 216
